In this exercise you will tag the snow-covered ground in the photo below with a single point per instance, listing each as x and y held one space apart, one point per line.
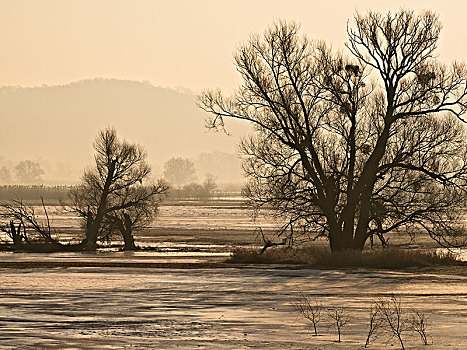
214 308
222 308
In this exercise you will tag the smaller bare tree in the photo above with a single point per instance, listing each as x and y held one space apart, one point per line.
392 313
116 193
340 318
375 325
311 310
28 220
419 323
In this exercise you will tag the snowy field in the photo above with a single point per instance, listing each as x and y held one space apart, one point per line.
225 308
205 308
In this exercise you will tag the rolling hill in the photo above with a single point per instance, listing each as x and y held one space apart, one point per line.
56 125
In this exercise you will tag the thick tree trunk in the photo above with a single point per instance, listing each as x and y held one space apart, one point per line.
16 234
92 231
341 245
359 242
89 243
340 241
127 233
128 239
94 223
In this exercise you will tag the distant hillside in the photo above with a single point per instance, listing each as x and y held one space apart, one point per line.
57 124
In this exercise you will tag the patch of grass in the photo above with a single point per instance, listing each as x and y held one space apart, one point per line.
320 256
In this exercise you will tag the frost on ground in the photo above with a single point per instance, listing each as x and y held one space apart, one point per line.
99 308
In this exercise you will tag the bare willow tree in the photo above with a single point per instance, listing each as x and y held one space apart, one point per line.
351 147
116 194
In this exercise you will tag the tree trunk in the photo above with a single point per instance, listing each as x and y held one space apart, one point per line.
128 240
89 243
125 227
16 234
360 240
93 223
340 240
127 233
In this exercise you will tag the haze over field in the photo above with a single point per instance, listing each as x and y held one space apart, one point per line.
173 43
52 105
56 125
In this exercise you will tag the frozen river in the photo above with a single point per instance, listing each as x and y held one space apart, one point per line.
105 307
223 308
226 215
231 214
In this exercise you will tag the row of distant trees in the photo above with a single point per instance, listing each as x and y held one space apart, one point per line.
33 193
177 170
26 171
179 173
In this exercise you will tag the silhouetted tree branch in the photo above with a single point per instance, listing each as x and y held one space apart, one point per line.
112 194
351 147
27 218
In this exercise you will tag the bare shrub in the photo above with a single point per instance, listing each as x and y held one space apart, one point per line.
387 315
392 313
27 217
309 309
340 318
419 323
375 325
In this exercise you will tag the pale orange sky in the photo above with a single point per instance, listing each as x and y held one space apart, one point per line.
172 43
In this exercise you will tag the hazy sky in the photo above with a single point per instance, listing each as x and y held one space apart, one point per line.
172 43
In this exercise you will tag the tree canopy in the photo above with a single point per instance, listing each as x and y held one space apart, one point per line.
179 171
28 171
116 194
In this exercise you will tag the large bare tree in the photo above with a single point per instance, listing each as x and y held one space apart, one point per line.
351 147
117 192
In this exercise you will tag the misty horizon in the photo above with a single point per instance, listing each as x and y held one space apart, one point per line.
159 52
150 115
178 89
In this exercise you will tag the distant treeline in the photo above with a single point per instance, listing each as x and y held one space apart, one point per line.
34 192
194 191
57 194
